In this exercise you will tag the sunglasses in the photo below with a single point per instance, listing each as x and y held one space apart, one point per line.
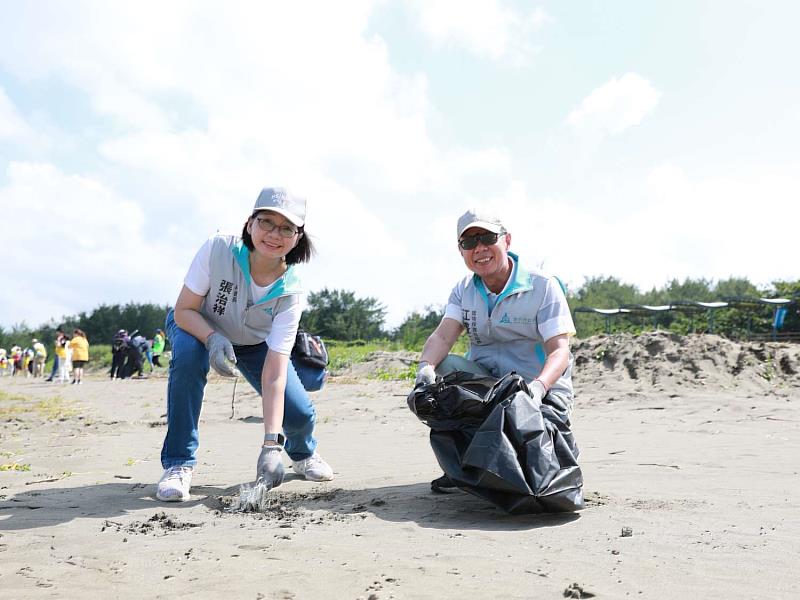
471 241
268 226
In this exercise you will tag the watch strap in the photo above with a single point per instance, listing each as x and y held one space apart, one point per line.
279 438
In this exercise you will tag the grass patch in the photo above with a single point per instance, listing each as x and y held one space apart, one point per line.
407 374
344 354
15 467
5 396
54 408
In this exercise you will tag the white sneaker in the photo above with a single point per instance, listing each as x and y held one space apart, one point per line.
174 484
313 468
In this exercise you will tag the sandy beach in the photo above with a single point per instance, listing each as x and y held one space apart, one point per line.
689 450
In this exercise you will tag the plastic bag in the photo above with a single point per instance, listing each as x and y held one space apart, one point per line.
497 443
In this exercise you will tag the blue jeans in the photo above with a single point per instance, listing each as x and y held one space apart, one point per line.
54 370
188 372
312 378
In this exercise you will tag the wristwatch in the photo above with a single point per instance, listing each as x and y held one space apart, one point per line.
275 437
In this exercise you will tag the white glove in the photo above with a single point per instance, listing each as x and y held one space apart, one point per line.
269 469
219 349
538 391
425 375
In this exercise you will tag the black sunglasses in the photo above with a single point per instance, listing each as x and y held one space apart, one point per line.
471 241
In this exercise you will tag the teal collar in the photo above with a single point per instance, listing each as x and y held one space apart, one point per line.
518 281
287 284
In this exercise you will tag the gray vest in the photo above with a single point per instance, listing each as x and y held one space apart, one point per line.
507 338
228 307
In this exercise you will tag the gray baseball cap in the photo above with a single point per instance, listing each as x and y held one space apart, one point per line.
283 202
479 218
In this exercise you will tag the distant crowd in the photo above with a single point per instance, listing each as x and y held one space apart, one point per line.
129 353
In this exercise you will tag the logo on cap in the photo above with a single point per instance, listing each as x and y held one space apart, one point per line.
279 197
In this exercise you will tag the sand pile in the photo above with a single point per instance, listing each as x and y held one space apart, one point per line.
654 358
660 358
380 363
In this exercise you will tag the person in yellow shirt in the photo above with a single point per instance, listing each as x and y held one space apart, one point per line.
61 354
80 354
39 358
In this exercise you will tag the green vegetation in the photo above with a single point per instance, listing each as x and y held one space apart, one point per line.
54 408
100 325
359 322
6 397
339 315
15 467
735 322
344 354
407 374
100 356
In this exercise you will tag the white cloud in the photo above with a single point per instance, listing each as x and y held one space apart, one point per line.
185 111
683 226
488 28
74 240
615 106
282 99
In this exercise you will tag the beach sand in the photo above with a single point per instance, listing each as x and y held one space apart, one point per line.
689 448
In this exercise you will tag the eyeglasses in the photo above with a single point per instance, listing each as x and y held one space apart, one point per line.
471 241
268 226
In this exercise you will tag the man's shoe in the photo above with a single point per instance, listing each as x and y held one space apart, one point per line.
443 485
174 484
313 468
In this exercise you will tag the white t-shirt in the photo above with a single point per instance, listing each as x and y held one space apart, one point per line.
284 325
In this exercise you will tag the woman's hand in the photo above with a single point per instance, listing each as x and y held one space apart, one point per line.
220 351
269 469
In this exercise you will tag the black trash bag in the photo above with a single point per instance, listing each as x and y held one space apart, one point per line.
496 443
454 402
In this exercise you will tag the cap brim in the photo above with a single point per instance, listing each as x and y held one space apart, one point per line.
493 227
284 213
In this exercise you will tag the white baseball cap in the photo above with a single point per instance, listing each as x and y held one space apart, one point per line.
479 218
283 202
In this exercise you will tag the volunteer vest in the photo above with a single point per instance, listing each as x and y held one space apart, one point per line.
508 339
228 307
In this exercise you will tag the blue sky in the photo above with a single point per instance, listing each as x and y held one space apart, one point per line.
643 140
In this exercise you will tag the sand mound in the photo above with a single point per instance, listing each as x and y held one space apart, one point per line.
653 358
380 363
660 358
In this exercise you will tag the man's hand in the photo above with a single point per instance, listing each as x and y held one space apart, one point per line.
219 349
538 390
425 374
269 469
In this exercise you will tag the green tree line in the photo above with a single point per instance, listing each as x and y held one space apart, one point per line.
342 315
100 325
735 321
